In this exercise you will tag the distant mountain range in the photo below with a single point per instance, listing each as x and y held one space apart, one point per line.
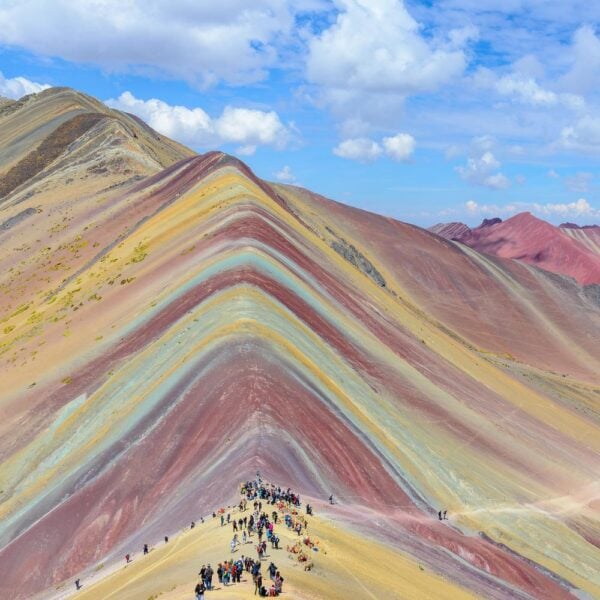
568 249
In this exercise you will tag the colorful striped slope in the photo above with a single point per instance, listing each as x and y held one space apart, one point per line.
169 330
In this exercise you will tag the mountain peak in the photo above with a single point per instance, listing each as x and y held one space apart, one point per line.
61 124
524 217
450 231
490 222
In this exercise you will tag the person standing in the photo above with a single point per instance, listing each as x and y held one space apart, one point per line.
258 583
208 577
199 591
278 582
77 584
146 549
272 571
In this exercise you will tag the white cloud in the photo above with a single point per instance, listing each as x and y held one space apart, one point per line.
553 174
523 88
361 149
578 208
481 168
399 147
582 136
249 128
373 56
584 73
201 42
471 206
285 175
527 90
16 87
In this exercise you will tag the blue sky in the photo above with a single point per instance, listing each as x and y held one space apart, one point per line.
422 110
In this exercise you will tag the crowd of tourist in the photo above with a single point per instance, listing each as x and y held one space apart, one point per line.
266 502
230 572
259 523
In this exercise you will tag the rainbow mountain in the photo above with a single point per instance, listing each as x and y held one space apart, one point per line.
171 323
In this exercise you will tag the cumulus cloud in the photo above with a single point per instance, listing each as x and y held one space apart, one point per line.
584 54
582 136
249 128
285 175
523 88
472 206
399 147
482 167
201 42
578 208
361 149
373 56
16 87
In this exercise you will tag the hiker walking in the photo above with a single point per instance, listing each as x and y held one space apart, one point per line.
77 584
440 515
331 499
445 515
146 549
